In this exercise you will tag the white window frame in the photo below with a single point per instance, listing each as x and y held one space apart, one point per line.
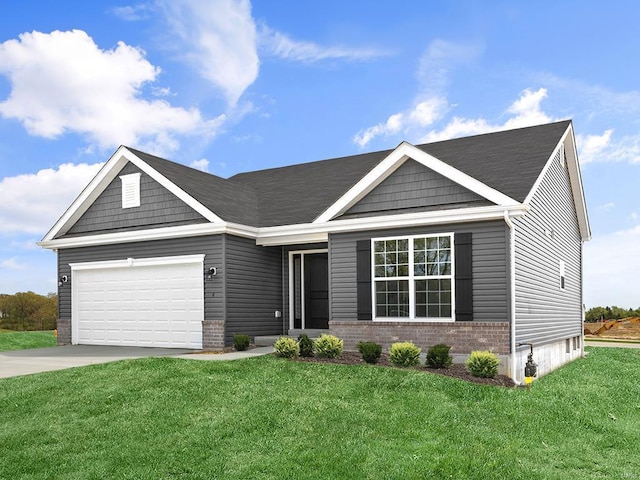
130 190
412 280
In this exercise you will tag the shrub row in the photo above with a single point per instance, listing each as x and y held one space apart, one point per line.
401 354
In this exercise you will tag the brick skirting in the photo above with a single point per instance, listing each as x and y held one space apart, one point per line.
213 334
463 337
63 325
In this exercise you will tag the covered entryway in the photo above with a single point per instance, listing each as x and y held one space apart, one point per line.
146 302
309 289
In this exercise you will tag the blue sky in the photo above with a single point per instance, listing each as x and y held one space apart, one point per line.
229 86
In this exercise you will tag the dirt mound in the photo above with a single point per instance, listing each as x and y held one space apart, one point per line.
626 328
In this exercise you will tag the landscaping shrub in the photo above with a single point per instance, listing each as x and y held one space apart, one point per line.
438 356
241 341
306 346
286 347
370 351
482 363
404 354
328 346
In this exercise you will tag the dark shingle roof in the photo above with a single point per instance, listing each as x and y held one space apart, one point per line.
229 200
508 161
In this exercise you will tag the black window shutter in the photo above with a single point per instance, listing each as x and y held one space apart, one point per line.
463 277
363 277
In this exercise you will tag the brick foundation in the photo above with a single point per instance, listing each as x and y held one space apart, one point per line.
463 337
213 334
63 326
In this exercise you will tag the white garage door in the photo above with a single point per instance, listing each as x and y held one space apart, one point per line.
151 302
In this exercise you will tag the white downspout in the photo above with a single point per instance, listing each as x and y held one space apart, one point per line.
512 291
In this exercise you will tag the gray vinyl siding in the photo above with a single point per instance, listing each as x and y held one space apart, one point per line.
210 246
416 187
158 207
490 283
253 288
285 273
547 234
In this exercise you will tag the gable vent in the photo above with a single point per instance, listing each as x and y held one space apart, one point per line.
130 190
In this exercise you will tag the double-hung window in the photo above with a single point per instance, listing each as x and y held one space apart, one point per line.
413 278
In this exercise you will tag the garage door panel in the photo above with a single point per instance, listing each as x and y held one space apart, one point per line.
158 305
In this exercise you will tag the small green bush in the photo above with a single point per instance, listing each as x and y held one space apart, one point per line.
482 363
404 354
370 351
306 346
328 346
438 356
241 341
286 347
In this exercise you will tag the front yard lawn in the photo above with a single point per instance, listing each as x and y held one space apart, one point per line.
23 340
268 418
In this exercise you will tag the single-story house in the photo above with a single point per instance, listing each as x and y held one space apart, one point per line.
474 242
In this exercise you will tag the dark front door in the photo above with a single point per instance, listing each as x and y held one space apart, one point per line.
316 290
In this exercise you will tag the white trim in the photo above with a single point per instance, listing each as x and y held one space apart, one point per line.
302 253
292 234
318 232
512 294
411 279
101 181
392 162
575 179
138 262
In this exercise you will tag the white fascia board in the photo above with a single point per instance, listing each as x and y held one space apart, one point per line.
101 181
575 179
173 188
392 162
90 193
182 231
319 232
139 262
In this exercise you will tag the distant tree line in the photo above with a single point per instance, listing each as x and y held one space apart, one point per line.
28 311
597 314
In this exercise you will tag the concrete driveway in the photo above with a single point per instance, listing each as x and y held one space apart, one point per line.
25 362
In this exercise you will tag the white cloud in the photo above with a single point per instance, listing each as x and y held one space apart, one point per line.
592 145
606 148
611 265
63 82
12 264
606 207
132 13
420 115
440 58
525 111
280 45
218 38
32 203
202 164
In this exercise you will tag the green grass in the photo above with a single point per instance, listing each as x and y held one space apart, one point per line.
23 340
269 418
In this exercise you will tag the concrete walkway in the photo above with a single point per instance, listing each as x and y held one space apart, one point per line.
36 360
611 344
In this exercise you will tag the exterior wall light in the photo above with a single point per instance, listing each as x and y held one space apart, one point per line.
210 272
62 280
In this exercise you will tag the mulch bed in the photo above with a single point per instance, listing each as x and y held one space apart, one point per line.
456 370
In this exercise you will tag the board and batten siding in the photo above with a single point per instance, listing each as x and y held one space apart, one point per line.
545 236
158 208
210 246
489 267
414 187
253 288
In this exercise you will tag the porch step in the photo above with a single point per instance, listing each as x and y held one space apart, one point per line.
265 340
312 333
